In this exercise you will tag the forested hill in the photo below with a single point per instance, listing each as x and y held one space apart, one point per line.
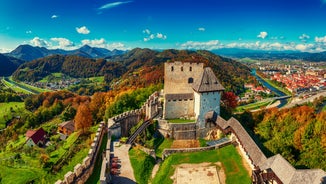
74 66
136 67
8 65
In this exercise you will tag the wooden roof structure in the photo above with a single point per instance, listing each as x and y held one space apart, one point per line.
208 82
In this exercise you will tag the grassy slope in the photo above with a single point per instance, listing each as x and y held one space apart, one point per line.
15 87
5 110
167 143
228 156
142 165
253 106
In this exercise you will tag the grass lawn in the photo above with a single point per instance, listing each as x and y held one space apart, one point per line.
167 143
57 154
228 156
142 165
181 121
253 106
5 109
12 175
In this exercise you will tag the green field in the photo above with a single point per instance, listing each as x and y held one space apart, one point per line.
228 156
181 121
33 89
253 106
8 110
15 88
97 79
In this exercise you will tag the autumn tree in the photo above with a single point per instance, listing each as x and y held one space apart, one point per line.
83 118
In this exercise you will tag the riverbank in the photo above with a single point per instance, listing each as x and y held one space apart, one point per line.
270 82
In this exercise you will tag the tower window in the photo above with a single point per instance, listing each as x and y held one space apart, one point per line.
190 80
182 68
172 68
190 68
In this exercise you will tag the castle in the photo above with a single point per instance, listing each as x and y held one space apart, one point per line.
191 91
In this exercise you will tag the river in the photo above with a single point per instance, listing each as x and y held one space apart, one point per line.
276 91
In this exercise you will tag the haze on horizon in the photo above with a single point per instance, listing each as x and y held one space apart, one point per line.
126 24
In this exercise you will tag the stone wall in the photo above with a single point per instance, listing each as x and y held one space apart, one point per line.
178 108
168 152
176 75
122 123
105 176
82 171
183 131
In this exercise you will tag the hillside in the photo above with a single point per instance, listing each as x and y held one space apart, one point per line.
8 65
29 53
140 67
74 66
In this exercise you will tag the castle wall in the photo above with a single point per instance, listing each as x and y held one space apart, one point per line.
179 108
176 75
184 131
208 102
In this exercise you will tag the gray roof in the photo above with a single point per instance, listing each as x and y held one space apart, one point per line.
254 152
183 96
69 125
288 174
208 82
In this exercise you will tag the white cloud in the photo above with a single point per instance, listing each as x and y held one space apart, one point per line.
301 47
4 50
304 37
201 29
112 5
82 30
262 34
54 16
153 36
103 44
147 31
63 43
36 41
28 32
160 36
95 43
209 45
320 39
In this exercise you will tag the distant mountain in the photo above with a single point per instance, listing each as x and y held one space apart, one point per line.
271 55
8 65
29 53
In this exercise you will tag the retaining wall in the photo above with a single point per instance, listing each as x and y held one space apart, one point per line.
82 171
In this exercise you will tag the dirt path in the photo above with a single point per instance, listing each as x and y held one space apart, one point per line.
244 162
126 175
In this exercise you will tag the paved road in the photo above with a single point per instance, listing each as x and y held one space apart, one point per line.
310 99
126 175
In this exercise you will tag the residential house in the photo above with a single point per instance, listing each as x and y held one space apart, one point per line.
66 128
35 137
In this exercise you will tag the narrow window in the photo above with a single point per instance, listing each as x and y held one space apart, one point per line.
190 69
182 68
190 80
172 68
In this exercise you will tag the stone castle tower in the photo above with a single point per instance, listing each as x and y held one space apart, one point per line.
192 91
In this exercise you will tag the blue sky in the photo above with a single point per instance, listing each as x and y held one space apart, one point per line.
160 24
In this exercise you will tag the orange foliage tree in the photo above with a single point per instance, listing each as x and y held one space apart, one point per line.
83 118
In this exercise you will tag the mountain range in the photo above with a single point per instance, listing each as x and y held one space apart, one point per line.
29 53
271 55
8 64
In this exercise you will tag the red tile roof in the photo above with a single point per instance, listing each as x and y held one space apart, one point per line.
36 135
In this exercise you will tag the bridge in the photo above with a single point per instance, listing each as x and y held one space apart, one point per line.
280 97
